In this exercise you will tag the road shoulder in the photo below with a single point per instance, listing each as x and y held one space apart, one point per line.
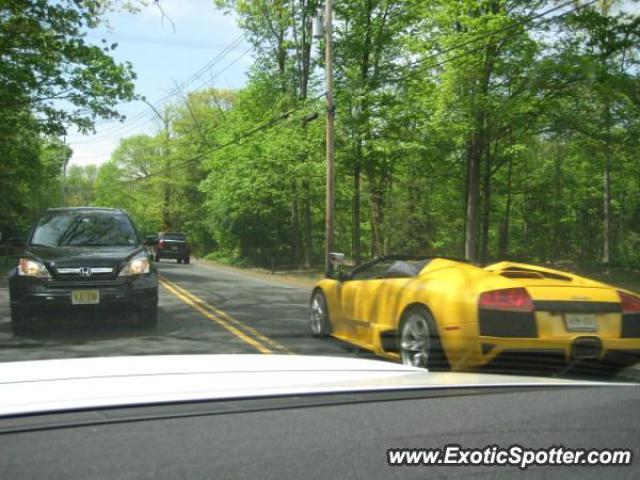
290 280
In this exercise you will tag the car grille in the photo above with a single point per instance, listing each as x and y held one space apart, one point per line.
500 323
88 275
86 284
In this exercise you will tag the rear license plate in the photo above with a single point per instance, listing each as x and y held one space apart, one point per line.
85 297
581 322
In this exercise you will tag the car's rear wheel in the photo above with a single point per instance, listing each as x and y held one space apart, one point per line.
419 342
319 315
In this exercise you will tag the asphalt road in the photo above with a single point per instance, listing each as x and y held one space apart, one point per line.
203 309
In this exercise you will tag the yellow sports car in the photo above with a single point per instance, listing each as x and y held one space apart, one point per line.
441 313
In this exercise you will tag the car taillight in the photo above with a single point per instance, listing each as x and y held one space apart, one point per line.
517 299
630 303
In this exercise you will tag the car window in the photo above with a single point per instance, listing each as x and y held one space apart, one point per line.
373 271
84 230
389 268
174 236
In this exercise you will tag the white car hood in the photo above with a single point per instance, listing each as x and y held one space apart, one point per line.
69 384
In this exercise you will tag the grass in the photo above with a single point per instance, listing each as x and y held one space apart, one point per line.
227 259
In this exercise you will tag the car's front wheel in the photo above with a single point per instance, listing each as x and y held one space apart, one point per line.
319 315
148 316
18 321
419 342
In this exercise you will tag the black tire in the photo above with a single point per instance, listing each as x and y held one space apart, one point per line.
187 260
419 342
148 316
19 321
319 321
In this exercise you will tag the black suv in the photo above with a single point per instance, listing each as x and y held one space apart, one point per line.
83 259
173 245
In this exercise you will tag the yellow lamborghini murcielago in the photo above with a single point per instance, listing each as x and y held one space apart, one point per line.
440 313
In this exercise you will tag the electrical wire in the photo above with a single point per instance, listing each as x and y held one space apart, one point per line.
145 114
236 141
511 27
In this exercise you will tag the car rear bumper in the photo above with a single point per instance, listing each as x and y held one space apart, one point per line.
584 347
172 254
33 297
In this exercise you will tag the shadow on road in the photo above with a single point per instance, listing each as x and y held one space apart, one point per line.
73 328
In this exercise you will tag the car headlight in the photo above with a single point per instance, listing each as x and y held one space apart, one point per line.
135 266
31 268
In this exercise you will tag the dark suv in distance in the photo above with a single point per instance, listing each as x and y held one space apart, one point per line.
83 260
173 245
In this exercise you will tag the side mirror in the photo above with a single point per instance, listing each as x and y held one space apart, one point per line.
150 240
335 260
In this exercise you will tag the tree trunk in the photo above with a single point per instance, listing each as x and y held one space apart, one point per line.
473 194
355 215
295 227
376 204
475 150
606 247
557 230
486 208
503 243
306 225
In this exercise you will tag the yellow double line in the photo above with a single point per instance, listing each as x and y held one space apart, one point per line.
244 332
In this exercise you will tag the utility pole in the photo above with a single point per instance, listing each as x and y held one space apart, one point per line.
330 142
165 153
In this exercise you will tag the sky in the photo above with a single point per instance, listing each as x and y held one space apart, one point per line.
162 59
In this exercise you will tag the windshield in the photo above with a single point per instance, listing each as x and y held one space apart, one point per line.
174 236
84 230
442 184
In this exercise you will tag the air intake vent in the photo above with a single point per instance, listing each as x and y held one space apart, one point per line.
519 272
514 274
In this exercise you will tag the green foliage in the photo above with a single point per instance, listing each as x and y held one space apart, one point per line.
50 79
462 128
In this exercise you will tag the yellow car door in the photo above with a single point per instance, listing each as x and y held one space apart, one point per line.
366 299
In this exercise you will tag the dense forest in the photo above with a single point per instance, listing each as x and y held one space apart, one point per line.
478 129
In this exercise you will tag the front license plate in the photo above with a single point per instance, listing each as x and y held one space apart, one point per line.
85 297
581 322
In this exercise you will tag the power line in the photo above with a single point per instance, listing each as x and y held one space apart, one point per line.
130 128
136 118
236 141
153 115
511 27
197 74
